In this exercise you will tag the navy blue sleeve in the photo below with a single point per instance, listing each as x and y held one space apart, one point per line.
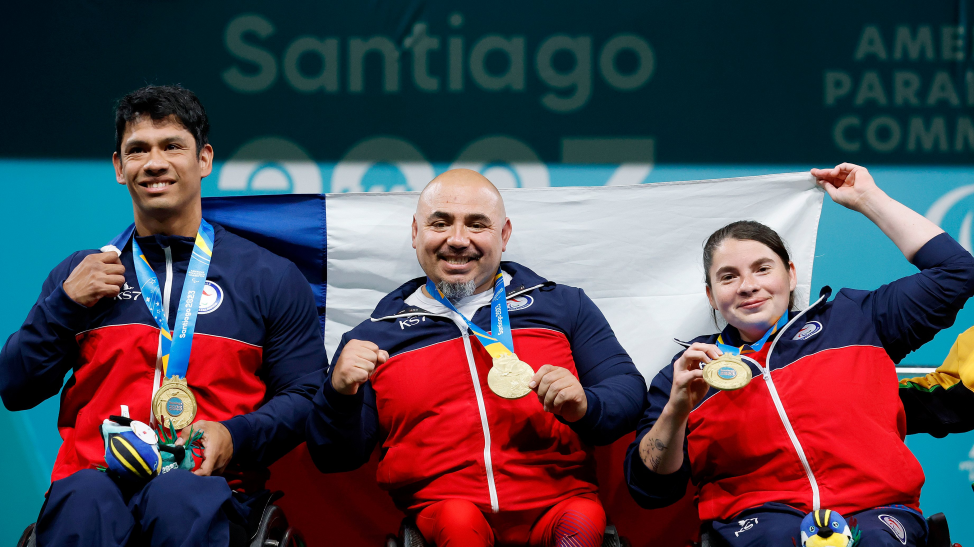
36 358
343 429
615 389
908 312
293 367
652 490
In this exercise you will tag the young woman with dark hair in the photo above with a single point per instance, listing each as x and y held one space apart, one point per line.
821 424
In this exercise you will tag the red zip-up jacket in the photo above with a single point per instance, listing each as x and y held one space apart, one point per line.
257 356
822 423
445 435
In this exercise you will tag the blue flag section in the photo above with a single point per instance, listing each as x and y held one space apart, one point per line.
292 226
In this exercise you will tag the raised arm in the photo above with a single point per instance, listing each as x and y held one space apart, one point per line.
908 312
853 187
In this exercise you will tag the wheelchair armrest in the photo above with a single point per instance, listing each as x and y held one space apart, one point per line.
28 539
938 534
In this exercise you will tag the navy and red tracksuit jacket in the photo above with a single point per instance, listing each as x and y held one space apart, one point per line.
445 435
824 424
257 356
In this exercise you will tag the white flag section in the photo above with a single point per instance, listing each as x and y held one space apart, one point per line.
635 250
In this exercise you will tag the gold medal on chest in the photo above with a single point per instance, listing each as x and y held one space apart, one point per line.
174 403
727 372
509 377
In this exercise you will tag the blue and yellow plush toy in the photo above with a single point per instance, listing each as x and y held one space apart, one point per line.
135 453
826 528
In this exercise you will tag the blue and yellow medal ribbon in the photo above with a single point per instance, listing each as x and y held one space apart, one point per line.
501 342
754 347
176 345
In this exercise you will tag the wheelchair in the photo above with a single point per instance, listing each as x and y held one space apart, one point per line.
937 536
271 529
409 536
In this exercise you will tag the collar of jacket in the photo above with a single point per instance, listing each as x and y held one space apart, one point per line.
123 241
393 305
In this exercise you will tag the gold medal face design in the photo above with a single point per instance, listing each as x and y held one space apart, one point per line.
509 377
174 403
727 372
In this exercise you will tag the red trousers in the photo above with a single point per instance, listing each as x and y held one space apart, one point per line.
575 522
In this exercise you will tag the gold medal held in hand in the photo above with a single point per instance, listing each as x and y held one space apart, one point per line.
174 403
509 377
727 372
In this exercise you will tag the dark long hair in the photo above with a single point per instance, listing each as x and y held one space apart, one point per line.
745 230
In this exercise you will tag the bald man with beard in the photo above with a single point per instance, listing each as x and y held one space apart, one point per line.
479 457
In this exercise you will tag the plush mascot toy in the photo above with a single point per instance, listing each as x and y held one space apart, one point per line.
135 453
826 528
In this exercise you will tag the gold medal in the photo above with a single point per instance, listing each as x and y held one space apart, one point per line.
174 403
727 372
509 377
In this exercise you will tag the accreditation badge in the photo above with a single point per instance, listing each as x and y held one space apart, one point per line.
510 376
174 403
727 372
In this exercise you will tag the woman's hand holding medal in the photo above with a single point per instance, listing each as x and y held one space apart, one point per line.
355 365
560 392
689 387
661 449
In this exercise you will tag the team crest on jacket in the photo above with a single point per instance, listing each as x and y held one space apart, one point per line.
519 303
898 529
810 329
212 297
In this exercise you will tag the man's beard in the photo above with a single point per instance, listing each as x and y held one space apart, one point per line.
458 290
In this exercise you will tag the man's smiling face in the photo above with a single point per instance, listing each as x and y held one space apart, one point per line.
460 229
159 164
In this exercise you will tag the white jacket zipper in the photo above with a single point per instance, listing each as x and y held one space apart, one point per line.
488 464
471 363
766 374
166 294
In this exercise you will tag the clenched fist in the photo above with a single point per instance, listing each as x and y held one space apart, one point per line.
98 276
355 365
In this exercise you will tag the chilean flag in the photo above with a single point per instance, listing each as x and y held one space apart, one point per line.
635 250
